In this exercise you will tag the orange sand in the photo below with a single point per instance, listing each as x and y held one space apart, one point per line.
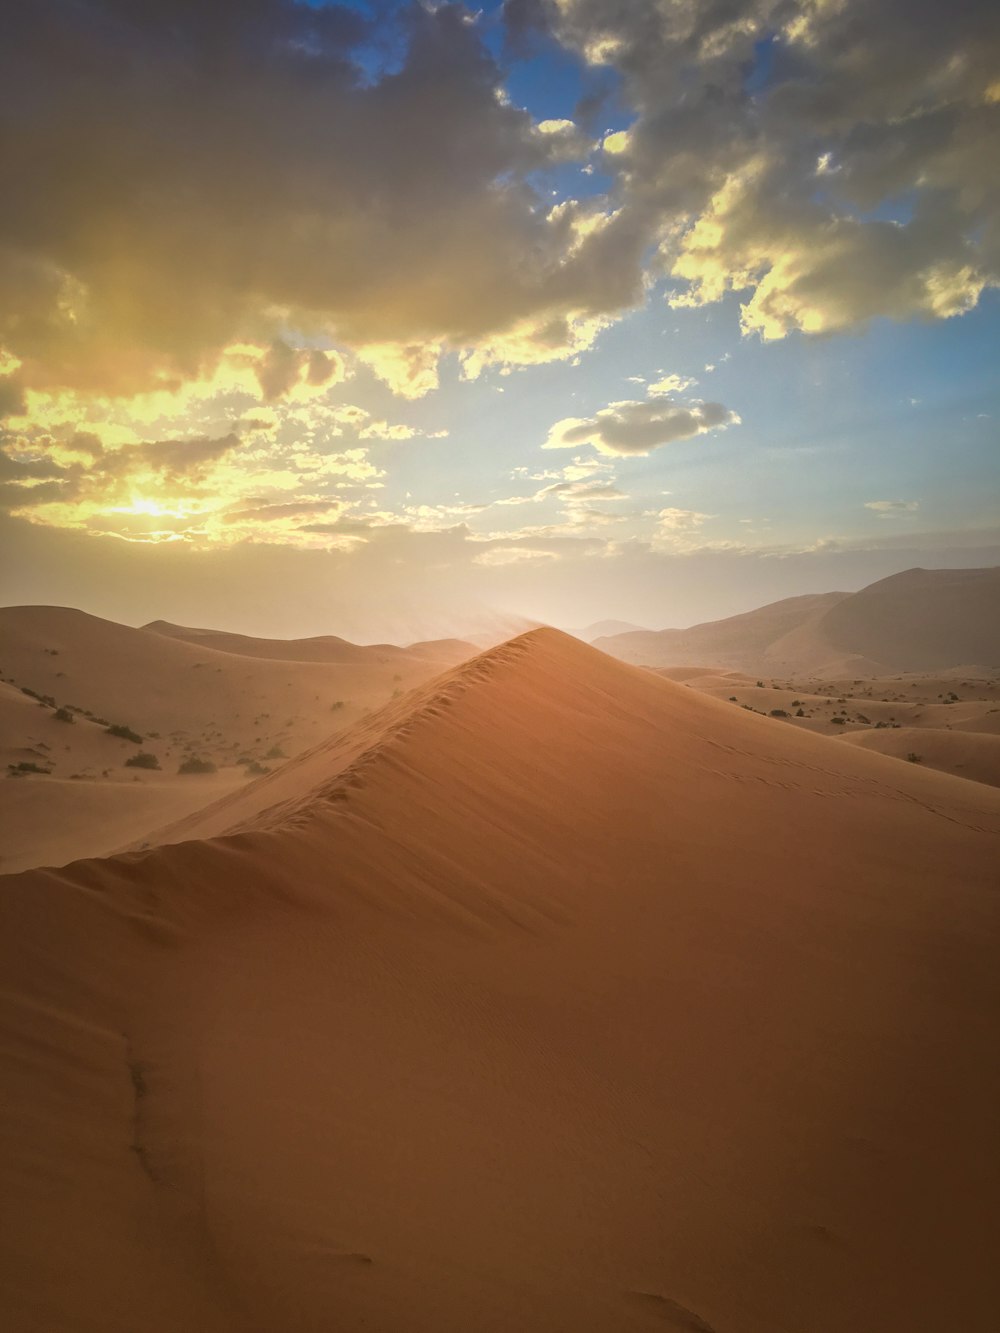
561 999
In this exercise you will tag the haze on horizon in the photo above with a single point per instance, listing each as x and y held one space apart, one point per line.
387 319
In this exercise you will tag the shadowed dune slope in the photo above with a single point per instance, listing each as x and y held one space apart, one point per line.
920 620
742 642
560 998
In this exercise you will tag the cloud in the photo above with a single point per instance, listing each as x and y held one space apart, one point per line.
671 384
681 520
889 508
363 181
340 180
831 161
512 555
12 398
581 491
635 428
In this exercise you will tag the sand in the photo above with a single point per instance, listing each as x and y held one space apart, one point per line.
563 999
945 722
922 620
242 711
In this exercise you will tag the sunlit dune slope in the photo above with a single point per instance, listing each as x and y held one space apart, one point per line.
561 998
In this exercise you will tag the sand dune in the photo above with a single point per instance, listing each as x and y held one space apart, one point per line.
561 998
239 711
921 620
322 648
966 754
942 721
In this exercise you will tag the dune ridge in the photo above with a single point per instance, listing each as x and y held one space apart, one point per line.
525 1005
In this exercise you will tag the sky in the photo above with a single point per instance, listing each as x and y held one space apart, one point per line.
389 319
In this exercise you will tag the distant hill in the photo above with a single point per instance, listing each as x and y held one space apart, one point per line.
603 628
920 620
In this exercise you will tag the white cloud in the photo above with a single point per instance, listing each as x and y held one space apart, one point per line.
892 508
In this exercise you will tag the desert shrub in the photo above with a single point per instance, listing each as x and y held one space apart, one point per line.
778 712
915 758
838 721
276 752
26 766
760 685
255 769
124 733
733 699
142 760
335 706
195 765
63 715
800 712
865 720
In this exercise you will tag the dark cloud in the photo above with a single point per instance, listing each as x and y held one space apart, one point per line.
182 175
635 428
194 174
769 131
12 399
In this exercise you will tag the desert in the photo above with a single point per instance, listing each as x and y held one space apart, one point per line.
513 1004
499 666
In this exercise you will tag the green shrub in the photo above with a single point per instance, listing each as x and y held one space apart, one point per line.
195 765
778 712
142 760
124 733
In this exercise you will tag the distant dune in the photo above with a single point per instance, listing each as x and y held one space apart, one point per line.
603 628
920 620
555 997
945 722
240 711
324 648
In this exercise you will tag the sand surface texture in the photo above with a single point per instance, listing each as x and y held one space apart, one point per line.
558 998
241 705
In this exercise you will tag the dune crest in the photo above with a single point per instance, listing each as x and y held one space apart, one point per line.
518 1007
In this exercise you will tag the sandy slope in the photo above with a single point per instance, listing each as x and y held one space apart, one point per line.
322 648
922 620
949 723
565 1000
184 699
